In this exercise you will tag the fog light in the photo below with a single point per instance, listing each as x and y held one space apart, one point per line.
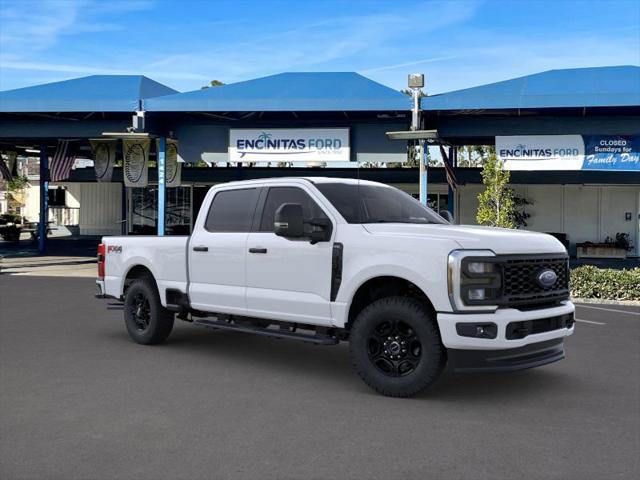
476 294
477 330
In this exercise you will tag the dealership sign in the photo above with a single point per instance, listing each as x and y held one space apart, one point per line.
569 152
611 153
289 145
541 152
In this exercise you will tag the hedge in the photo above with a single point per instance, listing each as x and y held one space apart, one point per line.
608 284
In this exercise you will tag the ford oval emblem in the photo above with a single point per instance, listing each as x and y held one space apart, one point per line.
546 278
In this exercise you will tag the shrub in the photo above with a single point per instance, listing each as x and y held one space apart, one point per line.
605 283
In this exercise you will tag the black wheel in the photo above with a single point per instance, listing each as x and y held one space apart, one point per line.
396 348
148 322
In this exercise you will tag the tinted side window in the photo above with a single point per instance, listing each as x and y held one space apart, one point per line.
279 195
232 211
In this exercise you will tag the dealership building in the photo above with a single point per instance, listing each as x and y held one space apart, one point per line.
571 139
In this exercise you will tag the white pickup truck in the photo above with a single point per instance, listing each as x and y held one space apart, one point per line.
327 260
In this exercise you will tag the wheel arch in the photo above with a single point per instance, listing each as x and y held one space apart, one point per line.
382 286
136 271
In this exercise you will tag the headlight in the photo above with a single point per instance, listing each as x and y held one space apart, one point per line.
480 267
474 280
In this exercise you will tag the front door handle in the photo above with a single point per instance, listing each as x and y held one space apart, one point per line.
200 248
257 250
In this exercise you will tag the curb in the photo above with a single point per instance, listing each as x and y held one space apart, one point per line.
606 302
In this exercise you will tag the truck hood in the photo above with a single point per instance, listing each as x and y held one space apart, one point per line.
499 240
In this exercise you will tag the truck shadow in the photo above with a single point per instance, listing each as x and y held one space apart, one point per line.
331 365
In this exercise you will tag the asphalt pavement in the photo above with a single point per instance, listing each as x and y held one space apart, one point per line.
79 400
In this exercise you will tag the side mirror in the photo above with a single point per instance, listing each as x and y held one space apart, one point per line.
446 214
289 221
321 230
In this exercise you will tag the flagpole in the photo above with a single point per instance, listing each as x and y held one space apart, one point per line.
44 199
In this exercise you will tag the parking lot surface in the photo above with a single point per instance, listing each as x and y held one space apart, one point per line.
79 400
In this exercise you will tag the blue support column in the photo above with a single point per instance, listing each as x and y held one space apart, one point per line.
44 200
453 153
162 190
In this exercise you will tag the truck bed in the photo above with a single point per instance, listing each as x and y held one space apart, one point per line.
164 257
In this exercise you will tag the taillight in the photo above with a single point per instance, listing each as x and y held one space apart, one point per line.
101 250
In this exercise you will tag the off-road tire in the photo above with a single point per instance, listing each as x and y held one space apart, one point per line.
158 320
418 322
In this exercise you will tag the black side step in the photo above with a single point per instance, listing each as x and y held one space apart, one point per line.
115 306
222 325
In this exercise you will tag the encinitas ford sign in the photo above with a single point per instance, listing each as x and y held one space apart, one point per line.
569 152
289 145
541 152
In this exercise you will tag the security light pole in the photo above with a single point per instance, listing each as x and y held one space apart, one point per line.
416 83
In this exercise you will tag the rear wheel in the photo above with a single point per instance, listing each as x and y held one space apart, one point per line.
395 346
147 321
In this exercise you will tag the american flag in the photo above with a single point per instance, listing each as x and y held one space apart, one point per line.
4 170
62 161
451 176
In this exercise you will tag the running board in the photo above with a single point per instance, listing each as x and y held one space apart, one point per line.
222 325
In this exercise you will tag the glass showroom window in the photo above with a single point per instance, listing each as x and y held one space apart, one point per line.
143 211
178 219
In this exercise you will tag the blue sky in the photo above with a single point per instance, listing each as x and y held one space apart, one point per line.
184 44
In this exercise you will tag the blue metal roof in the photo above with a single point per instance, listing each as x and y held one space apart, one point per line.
96 93
299 92
577 87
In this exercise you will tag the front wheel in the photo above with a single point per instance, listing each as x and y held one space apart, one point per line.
147 321
395 346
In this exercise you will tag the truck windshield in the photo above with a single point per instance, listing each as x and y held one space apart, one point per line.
366 203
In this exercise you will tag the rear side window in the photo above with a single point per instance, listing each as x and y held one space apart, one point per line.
232 211
279 195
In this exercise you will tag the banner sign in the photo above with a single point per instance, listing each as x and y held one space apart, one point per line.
289 145
541 152
136 161
173 166
610 152
569 152
104 157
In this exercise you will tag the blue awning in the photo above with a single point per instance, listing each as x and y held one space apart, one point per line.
96 93
577 87
288 92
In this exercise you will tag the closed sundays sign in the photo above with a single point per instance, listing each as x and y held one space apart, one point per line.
289 145
541 152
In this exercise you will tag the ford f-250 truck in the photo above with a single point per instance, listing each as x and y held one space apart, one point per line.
327 260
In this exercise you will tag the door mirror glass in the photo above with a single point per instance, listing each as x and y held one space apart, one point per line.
320 230
289 221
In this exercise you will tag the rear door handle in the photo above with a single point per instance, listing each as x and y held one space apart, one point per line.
257 250
200 248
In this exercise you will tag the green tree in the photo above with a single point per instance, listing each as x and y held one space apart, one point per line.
474 155
213 83
496 204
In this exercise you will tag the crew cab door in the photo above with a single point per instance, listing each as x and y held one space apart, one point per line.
217 252
288 279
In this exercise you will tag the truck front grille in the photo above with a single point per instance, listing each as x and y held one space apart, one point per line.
519 284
